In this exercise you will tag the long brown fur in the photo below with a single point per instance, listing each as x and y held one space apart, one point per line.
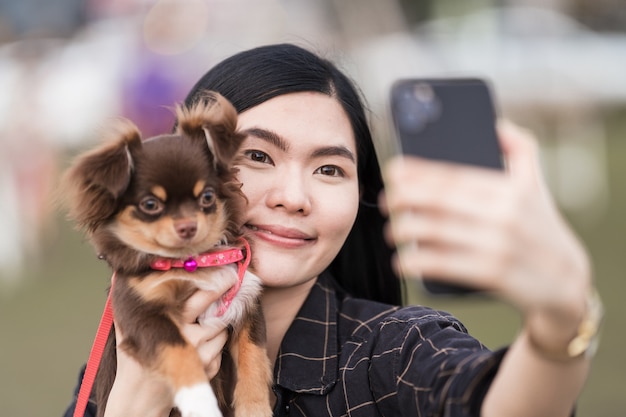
176 196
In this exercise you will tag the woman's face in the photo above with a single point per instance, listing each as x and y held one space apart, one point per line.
299 172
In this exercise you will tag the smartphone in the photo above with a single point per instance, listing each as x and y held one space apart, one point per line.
447 119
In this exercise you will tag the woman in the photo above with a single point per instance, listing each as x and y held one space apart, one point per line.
338 341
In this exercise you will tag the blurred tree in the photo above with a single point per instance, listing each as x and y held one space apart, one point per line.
600 15
416 11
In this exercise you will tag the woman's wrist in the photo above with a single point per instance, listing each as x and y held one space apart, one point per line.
125 400
569 342
137 392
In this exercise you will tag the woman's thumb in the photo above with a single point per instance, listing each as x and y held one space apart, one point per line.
520 151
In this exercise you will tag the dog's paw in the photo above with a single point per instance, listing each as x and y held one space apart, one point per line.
197 401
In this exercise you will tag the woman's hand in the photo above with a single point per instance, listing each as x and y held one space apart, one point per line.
498 232
138 391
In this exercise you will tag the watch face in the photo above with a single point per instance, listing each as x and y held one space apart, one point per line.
586 341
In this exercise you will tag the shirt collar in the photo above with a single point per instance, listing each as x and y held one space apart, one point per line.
307 361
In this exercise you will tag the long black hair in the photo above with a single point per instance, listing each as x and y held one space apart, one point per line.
252 77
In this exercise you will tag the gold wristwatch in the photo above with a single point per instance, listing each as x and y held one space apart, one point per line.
585 342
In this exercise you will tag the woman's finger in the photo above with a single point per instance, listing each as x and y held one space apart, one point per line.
207 336
209 340
415 184
198 304
520 150
210 351
487 233
478 265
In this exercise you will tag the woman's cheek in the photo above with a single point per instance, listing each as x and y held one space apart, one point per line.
340 213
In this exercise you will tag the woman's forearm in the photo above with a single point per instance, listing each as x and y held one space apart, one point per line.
529 384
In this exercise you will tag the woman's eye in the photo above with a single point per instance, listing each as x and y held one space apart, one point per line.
207 198
151 205
258 156
330 170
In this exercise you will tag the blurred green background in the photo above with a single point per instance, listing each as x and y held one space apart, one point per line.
66 66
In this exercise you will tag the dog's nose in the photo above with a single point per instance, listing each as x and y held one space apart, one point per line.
186 229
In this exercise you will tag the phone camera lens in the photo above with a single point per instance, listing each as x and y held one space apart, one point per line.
416 108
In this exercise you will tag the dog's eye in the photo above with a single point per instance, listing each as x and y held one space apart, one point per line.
151 205
207 198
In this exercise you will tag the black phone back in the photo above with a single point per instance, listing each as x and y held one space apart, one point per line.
449 120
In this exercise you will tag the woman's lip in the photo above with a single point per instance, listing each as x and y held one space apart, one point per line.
280 235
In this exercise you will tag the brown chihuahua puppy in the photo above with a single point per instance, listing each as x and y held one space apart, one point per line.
166 214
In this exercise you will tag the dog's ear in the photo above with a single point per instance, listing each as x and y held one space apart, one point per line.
97 179
215 119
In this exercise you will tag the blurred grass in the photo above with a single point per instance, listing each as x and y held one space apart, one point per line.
48 323
606 388
47 326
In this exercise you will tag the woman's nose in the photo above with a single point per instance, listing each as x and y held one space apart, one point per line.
290 192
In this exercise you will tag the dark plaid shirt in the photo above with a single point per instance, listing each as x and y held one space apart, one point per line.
350 357
344 356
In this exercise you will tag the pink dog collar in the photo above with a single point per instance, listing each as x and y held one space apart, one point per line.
205 260
223 257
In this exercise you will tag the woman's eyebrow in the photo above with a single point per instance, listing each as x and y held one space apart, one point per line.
334 151
268 136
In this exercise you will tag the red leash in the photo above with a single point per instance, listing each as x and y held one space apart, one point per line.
95 356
